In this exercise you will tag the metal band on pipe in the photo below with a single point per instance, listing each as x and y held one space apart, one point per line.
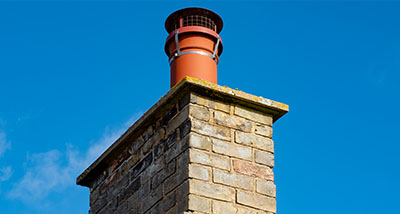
216 47
179 53
193 52
177 43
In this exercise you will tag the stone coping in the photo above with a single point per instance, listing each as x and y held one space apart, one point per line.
188 84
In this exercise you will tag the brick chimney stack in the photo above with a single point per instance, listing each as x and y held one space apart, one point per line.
202 148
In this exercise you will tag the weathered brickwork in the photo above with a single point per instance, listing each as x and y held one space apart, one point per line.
199 154
148 176
230 159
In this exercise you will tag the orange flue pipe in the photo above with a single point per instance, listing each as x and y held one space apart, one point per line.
193 50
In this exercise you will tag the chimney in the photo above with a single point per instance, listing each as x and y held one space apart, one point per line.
202 148
193 44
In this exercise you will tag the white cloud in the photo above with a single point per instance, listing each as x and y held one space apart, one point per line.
5 173
44 174
4 144
54 171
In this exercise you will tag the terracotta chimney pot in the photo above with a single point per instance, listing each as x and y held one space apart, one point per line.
193 45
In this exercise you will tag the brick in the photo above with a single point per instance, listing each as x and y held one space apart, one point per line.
169 141
105 210
266 187
163 174
245 210
133 204
235 180
159 150
99 204
215 191
248 210
252 169
123 208
123 156
148 145
196 99
197 203
256 200
132 188
140 140
208 159
151 199
183 160
185 128
168 202
114 178
177 120
173 210
94 195
176 150
144 190
220 207
252 115
136 144
211 130
199 172
184 101
148 133
98 180
165 204
142 165
256 141
169 115
120 186
232 121
109 182
200 142
264 158
128 164
152 169
175 179
133 200
110 196
230 149
192 212
263 130
182 192
199 112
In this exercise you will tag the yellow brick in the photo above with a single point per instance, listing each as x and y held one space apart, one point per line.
232 179
209 103
210 190
197 203
231 149
256 200
253 115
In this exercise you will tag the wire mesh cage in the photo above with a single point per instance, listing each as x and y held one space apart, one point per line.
194 17
198 20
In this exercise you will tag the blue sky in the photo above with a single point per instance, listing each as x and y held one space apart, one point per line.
74 75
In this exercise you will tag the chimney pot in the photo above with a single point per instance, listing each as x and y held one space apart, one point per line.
193 45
